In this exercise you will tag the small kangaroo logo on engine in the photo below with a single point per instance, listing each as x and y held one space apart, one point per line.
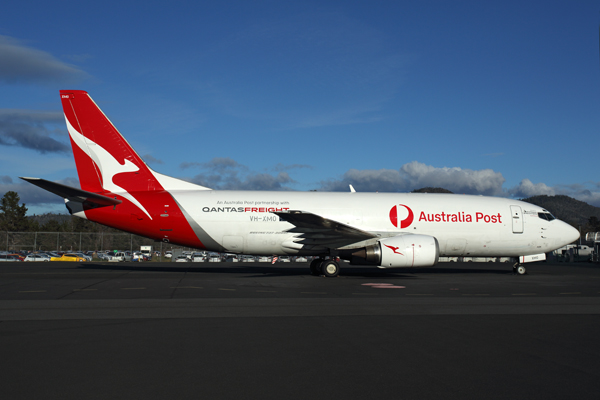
394 249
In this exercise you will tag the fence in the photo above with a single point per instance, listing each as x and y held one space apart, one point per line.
75 241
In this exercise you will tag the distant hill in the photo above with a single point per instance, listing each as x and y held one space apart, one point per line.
574 212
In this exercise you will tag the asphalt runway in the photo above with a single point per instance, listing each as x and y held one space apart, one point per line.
236 330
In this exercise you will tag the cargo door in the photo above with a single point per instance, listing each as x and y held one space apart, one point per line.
517 219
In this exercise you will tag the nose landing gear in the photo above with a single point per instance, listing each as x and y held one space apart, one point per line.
519 269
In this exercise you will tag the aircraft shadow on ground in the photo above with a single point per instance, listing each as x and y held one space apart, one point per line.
259 270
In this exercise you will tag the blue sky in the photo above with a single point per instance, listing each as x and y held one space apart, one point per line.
493 98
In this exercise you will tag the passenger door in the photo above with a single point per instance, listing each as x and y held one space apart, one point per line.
517 219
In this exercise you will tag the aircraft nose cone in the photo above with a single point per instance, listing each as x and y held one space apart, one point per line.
572 234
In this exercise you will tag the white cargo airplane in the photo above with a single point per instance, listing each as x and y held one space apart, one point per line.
386 230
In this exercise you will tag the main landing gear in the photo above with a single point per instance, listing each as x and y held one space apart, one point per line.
330 267
519 269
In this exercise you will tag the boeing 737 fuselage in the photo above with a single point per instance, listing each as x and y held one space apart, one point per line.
382 229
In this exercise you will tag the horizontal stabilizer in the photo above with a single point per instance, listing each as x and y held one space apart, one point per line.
73 194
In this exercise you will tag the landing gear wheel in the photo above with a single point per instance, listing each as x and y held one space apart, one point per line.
330 268
521 270
315 266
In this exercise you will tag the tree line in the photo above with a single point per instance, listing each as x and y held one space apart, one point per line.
59 232
13 218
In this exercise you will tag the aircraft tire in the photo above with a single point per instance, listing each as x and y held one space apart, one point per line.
521 270
315 266
330 268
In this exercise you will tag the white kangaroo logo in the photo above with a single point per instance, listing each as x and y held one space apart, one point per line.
109 166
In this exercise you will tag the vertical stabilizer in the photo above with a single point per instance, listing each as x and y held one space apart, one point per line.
105 161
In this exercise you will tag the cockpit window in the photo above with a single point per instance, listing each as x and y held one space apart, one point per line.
546 215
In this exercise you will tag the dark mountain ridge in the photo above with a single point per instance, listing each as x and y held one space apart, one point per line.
575 212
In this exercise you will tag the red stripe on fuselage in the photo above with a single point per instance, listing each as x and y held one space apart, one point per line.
168 221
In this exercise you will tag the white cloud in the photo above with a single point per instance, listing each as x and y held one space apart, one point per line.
586 192
33 130
589 197
22 64
458 180
227 174
528 189
368 180
416 175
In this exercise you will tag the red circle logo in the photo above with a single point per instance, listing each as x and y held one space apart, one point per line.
401 223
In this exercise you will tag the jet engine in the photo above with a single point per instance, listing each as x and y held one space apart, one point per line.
399 251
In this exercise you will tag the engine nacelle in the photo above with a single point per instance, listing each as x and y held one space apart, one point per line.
399 251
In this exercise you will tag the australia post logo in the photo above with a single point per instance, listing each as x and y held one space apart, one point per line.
401 216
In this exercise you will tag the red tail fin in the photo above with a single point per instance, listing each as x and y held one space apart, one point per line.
104 159
112 174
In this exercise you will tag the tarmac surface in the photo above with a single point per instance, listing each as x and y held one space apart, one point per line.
237 330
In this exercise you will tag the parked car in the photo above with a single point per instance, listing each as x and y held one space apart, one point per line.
182 258
17 255
198 257
87 257
69 257
37 257
120 256
214 257
9 257
139 256
229 257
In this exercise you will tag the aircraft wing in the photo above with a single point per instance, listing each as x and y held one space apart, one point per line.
319 231
74 194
